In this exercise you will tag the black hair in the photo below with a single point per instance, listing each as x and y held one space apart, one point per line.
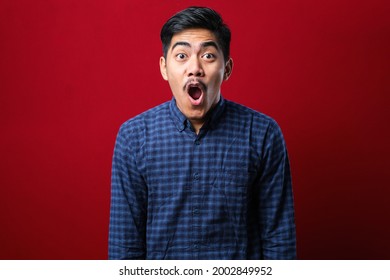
197 17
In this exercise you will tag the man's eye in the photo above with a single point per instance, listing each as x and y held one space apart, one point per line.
181 56
208 56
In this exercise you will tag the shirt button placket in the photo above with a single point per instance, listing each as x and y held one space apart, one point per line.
196 217
196 176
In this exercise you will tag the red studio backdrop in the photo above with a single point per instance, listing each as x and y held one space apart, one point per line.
72 71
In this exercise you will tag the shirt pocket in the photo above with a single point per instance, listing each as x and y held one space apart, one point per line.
235 185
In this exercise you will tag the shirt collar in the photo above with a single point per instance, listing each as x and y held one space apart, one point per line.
181 121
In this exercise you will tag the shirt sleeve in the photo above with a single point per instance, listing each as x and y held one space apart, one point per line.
275 197
128 202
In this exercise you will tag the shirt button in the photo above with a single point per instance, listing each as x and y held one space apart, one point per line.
197 142
196 211
196 176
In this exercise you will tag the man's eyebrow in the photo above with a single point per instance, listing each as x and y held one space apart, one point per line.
203 45
180 43
210 44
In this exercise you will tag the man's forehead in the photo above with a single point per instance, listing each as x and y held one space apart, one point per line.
194 36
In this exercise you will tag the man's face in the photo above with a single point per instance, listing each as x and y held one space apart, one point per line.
195 69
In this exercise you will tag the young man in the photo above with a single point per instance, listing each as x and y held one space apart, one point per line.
200 177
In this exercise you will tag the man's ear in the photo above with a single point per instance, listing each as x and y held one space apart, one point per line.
228 69
163 68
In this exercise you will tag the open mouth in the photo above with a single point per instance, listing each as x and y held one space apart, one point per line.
195 92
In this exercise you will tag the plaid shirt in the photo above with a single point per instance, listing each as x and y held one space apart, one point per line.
222 194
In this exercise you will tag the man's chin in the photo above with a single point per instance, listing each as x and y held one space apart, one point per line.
196 117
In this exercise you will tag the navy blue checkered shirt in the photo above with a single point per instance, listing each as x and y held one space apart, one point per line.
224 193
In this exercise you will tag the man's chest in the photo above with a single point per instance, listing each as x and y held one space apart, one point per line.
184 163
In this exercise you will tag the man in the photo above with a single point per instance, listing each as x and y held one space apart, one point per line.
200 177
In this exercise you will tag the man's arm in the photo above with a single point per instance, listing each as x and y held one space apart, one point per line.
128 203
276 209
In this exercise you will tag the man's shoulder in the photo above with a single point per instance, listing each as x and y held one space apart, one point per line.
150 114
262 126
242 112
138 123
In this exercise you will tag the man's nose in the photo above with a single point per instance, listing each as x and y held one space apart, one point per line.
195 67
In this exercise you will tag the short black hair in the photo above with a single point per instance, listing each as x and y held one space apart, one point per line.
197 17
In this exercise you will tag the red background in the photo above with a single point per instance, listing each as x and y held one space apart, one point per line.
72 71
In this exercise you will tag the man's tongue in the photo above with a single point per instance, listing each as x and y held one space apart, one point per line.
195 92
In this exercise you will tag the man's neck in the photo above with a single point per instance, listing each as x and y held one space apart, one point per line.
197 125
